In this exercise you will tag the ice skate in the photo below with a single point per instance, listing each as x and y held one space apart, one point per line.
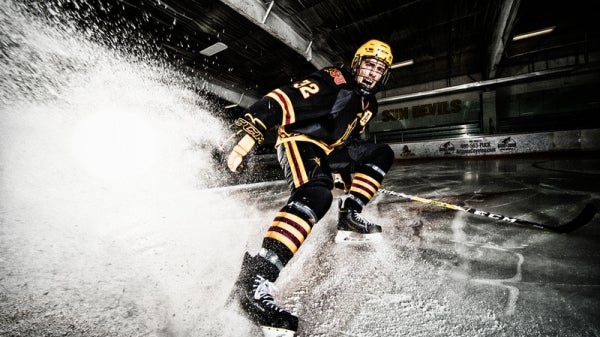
252 292
352 227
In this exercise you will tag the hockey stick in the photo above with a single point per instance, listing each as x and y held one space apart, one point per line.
583 218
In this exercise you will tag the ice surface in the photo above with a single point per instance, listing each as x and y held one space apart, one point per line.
112 221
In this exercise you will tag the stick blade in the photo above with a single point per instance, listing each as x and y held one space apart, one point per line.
586 215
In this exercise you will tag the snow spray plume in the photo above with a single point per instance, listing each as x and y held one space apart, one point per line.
106 227
80 79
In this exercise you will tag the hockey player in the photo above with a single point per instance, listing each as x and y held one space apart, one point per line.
320 120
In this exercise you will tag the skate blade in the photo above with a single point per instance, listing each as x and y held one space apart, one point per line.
269 331
353 237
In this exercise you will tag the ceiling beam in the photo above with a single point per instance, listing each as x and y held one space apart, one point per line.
221 90
474 85
270 22
238 98
501 34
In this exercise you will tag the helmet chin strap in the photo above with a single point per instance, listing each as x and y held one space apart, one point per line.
363 91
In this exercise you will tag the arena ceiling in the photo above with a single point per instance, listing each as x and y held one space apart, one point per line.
271 42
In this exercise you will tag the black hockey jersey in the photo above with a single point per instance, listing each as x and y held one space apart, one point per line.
325 108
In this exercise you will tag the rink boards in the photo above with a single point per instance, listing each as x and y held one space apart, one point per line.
493 145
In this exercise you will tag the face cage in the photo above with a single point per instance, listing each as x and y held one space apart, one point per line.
379 85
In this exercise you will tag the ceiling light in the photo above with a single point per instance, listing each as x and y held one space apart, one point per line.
213 49
533 33
402 64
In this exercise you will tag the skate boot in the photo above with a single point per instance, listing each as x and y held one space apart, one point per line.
352 227
253 293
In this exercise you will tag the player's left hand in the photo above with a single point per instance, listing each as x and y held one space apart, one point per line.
240 143
239 151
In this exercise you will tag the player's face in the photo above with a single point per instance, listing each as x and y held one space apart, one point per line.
370 72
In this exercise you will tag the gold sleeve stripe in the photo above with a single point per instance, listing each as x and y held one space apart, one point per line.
296 165
283 239
289 116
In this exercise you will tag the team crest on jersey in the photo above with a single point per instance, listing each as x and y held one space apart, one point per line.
364 119
338 78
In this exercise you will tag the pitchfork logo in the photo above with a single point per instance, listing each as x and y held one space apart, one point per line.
447 148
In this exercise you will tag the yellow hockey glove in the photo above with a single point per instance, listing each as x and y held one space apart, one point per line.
239 151
249 133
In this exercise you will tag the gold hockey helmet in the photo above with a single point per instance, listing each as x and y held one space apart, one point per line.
373 49
376 49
